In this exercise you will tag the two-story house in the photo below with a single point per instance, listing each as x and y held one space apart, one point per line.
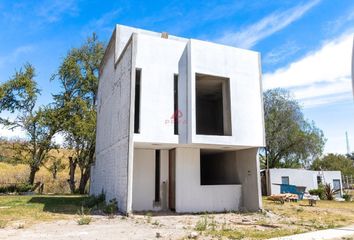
179 124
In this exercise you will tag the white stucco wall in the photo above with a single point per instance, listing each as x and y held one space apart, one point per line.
112 168
123 34
158 59
329 176
242 67
248 172
300 177
144 179
193 197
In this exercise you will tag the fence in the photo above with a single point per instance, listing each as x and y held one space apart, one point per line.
348 181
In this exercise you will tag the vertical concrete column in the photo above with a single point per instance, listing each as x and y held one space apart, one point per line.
249 175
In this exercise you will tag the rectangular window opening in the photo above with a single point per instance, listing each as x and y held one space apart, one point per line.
175 104
285 180
319 180
218 167
213 115
336 184
157 175
137 101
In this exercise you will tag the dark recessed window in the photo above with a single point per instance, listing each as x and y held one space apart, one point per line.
213 115
218 168
175 103
157 175
137 101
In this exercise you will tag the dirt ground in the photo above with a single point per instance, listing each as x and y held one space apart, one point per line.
275 221
139 226
145 226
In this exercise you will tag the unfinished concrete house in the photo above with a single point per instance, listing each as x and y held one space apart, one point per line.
179 124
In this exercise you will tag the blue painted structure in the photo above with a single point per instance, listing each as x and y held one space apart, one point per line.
287 188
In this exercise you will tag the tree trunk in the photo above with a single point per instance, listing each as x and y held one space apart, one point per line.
72 168
33 171
85 176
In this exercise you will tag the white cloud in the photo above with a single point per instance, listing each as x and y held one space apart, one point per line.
52 11
249 36
280 53
335 25
15 54
321 77
102 24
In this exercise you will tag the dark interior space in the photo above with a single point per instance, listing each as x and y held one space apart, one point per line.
212 105
175 103
157 175
137 101
218 168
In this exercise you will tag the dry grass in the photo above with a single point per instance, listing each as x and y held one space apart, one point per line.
326 214
18 173
276 220
280 220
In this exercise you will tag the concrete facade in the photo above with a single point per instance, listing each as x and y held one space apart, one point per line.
302 177
165 163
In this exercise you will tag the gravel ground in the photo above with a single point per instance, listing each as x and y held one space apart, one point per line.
139 226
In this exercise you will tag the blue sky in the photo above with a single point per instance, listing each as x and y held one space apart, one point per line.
305 45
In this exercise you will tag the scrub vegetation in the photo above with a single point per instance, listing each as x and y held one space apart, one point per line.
275 220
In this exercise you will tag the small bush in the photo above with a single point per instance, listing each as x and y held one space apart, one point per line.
320 192
93 201
148 215
330 192
84 220
202 224
347 197
24 187
16 188
112 207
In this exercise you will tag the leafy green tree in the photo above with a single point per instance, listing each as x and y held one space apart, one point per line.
351 156
291 141
19 96
334 162
78 78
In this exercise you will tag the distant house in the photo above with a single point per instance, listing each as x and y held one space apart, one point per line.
299 177
179 124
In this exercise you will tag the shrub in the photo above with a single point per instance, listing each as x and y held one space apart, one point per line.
112 207
202 224
94 201
320 192
329 191
83 218
16 188
24 187
347 197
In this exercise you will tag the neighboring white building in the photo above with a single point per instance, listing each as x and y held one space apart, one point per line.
299 177
179 124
